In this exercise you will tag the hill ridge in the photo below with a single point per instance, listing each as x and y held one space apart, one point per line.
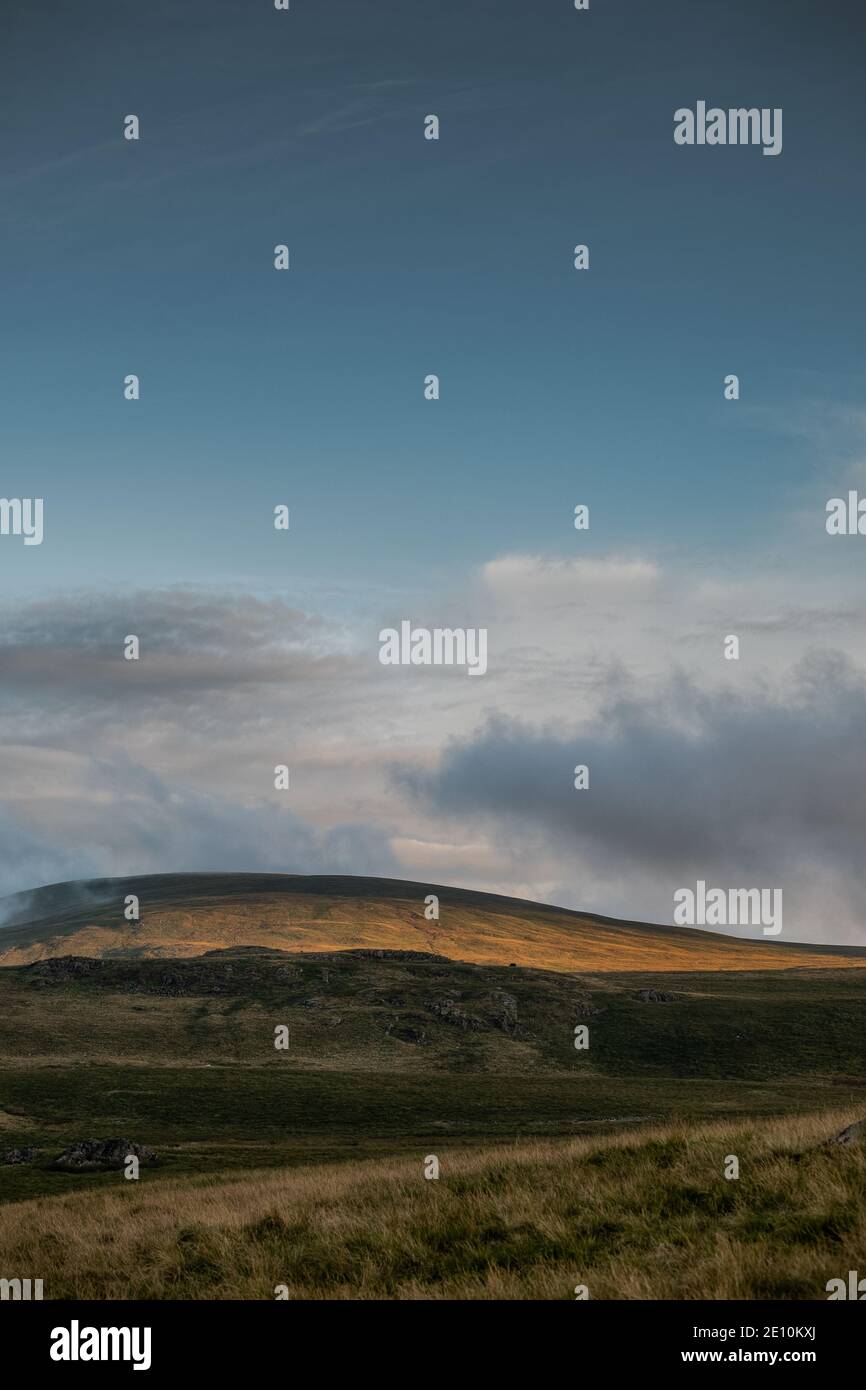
189 914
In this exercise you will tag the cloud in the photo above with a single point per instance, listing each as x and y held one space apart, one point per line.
191 641
746 773
741 789
115 767
143 825
532 580
29 859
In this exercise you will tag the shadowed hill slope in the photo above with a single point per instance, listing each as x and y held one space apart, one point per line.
188 914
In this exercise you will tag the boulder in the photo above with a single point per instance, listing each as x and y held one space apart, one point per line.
852 1134
96 1155
450 1012
404 1033
504 1011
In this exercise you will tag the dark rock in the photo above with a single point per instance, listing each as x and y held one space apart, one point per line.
583 1009
26 1155
376 953
65 968
655 996
88 1155
852 1134
450 1012
504 1013
404 1033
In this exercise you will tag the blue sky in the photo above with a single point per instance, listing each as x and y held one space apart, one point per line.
412 257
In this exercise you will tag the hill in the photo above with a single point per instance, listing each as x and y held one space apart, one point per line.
391 1052
189 914
383 1012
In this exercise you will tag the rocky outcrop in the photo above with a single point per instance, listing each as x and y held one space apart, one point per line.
584 1009
451 1012
404 1032
503 1011
372 953
97 1155
61 968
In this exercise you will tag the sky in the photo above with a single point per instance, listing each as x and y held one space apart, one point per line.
558 387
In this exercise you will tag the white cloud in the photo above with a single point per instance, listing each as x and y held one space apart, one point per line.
529 581
168 764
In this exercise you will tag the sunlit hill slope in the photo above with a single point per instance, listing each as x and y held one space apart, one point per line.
187 914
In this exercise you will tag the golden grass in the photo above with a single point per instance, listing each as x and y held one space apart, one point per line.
636 1215
536 936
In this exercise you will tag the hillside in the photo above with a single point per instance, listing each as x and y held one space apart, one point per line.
188 914
392 1052
629 1216
381 1012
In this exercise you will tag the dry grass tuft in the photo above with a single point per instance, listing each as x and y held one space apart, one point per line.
640 1215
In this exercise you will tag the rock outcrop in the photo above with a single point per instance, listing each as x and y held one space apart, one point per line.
96 1155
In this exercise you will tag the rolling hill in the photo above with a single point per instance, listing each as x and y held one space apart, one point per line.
187 914
394 1051
264 1036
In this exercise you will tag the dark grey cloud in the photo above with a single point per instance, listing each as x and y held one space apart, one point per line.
735 788
191 641
150 826
166 764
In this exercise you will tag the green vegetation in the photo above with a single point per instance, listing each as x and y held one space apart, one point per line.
303 1166
180 1055
648 1216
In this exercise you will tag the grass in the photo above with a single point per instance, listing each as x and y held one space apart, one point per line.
644 1214
179 1055
202 1119
760 1025
187 914
304 1168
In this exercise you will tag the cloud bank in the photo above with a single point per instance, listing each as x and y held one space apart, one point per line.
741 773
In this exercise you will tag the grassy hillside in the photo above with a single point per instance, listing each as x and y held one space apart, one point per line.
405 1037
414 1012
188 914
647 1216
390 1054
